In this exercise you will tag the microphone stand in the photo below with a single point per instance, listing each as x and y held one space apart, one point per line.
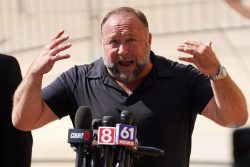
128 160
97 160
87 158
79 156
124 157
108 150
121 157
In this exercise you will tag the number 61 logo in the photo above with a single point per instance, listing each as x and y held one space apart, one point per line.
126 135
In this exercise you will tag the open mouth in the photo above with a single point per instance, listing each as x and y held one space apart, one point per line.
126 63
126 66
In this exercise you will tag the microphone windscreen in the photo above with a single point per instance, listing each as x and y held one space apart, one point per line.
83 118
108 121
126 117
96 123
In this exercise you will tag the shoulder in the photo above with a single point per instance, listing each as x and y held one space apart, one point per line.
8 60
86 70
166 67
81 72
10 64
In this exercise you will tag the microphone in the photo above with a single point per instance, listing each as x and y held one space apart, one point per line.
150 151
126 117
81 136
95 125
125 136
96 150
106 137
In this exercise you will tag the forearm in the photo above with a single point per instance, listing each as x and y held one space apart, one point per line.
30 111
231 102
28 103
240 7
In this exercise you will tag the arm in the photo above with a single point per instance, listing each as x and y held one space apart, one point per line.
240 7
228 106
29 109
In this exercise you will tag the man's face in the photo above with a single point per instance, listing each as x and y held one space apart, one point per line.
126 46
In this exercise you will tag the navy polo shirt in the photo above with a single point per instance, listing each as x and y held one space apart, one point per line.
164 105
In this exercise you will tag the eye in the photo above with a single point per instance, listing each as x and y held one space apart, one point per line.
130 40
113 42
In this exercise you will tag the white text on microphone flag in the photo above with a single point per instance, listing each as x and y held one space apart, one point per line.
77 136
126 135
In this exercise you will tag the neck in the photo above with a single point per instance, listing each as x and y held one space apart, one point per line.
129 87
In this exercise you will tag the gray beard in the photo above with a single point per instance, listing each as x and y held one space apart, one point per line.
140 66
127 77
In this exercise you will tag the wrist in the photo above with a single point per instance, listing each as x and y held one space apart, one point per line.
221 74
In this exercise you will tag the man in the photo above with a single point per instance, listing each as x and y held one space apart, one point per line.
164 96
16 145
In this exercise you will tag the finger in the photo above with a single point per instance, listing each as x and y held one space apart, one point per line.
197 44
186 59
180 46
60 57
210 44
192 43
58 35
185 48
58 41
59 48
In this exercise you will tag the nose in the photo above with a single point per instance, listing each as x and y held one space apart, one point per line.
123 49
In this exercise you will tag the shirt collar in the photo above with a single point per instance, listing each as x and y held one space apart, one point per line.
98 71
162 67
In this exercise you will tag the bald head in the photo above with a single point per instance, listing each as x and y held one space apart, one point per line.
117 11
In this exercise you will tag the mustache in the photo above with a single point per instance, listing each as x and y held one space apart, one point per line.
126 58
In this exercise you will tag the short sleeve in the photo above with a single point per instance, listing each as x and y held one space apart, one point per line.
200 90
59 94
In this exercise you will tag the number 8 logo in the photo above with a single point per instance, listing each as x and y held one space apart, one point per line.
106 135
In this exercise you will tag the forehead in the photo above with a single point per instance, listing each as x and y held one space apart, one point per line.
123 22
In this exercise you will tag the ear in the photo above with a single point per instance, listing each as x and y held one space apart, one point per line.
149 38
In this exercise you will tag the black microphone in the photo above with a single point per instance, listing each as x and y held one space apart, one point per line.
150 151
241 147
124 158
95 125
81 136
126 117
107 121
97 159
